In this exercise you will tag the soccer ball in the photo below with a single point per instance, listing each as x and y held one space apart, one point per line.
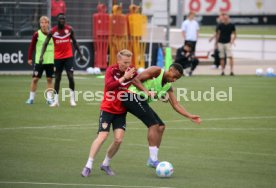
269 71
90 70
259 72
97 70
164 169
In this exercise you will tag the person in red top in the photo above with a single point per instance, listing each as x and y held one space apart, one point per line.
117 78
62 35
57 7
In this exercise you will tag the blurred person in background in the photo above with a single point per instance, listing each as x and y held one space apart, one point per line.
190 28
63 36
57 7
186 59
215 55
225 38
48 60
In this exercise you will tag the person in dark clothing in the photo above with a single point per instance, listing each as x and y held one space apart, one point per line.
225 37
215 54
185 58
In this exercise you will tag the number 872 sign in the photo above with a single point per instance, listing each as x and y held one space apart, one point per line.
209 6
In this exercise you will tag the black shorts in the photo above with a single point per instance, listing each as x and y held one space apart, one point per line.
39 68
140 108
67 63
118 121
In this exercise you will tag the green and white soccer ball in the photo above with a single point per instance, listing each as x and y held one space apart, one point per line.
164 169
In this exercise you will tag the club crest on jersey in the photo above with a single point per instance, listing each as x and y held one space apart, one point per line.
104 125
56 34
66 31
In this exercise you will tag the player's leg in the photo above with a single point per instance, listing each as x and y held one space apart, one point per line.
69 67
119 124
49 69
58 72
139 107
104 127
37 73
157 136
161 128
230 56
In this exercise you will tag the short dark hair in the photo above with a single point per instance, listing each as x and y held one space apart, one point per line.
177 67
188 44
60 14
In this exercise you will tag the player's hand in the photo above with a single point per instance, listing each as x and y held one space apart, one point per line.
82 58
151 94
195 118
165 98
40 60
129 73
30 62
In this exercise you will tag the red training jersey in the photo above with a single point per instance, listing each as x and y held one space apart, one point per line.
57 7
62 42
32 46
112 89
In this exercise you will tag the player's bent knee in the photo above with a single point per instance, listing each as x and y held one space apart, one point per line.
162 129
35 79
102 136
118 141
49 80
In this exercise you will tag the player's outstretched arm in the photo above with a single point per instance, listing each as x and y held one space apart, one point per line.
45 44
180 109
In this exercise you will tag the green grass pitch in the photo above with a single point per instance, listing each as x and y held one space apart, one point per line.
234 147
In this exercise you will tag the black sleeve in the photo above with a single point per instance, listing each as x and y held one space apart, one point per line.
217 27
234 28
179 57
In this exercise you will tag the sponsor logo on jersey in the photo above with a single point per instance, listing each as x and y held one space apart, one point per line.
62 41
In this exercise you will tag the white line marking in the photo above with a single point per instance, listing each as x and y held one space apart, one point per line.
145 146
51 139
75 184
90 125
250 153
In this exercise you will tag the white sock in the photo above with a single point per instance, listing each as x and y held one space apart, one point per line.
106 161
56 97
32 95
72 95
153 150
49 95
89 163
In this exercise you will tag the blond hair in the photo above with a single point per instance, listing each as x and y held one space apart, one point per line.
125 53
44 18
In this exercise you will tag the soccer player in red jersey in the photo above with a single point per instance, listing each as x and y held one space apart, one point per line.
62 35
117 79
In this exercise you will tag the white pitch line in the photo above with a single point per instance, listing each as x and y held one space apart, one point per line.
75 184
89 125
250 153
51 139
145 146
